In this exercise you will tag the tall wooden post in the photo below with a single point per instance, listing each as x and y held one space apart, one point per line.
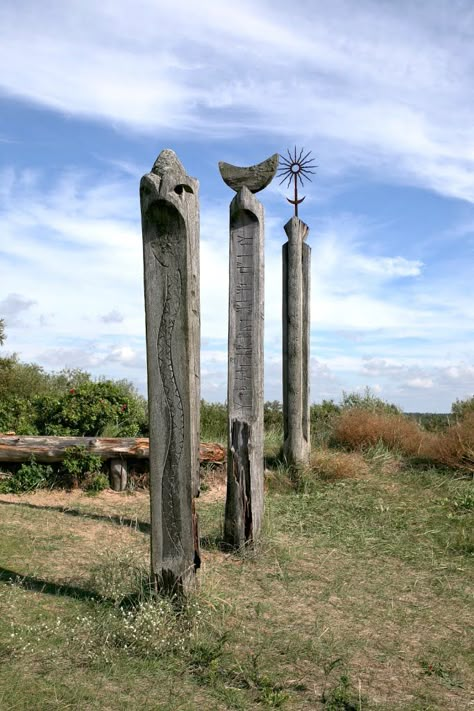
170 226
244 504
296 340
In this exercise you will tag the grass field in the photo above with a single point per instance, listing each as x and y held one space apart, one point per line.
357 598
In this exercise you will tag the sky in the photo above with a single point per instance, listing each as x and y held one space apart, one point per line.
381 91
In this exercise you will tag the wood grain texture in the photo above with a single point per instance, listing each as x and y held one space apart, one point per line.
296 343
15 448
254 177
170 227
244 503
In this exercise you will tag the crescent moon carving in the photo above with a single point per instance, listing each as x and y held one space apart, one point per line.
254 177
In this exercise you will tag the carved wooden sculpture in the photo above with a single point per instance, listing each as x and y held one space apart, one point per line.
296 317
244 503
170 226
296 339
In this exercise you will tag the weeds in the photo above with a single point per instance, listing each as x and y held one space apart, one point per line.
78 463
341 697
442 674
96 483
29 477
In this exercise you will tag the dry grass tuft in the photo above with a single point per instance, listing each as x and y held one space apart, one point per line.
330 465
360 429
454 447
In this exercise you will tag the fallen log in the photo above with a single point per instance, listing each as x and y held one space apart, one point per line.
15 448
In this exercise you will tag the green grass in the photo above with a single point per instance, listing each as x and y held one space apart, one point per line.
356 598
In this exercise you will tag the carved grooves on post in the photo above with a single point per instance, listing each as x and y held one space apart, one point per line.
175 408
170 225
244 504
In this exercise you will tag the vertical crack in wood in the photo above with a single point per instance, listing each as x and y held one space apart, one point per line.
244 503
241 471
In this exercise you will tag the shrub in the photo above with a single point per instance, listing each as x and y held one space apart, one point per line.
88 409
22 380
322 417
96 483
213 421
273 415
17 415
431 421
78 463
368 401
33 401
29 477
463 408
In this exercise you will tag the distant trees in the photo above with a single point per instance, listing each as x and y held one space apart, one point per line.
2 332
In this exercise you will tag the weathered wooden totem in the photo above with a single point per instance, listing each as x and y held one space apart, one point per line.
296 318
170 227
245 468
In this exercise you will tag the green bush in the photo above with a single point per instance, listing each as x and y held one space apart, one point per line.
33 401
17 415
322 416
213 421
96 483
78 463
273 415
92 408
29 477
461 408
24 380
368 401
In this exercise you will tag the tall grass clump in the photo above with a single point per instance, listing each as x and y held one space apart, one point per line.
360 429
331 465
454 447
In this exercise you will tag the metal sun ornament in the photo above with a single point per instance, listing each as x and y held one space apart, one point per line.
296 167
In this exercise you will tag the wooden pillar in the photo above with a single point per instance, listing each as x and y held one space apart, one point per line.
170 226
244 504
296 343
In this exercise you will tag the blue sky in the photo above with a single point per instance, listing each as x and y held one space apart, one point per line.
381 91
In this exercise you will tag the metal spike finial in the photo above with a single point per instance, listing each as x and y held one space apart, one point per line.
296 167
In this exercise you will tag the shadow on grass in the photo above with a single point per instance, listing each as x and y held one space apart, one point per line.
274 458
215 542
140 526
28 582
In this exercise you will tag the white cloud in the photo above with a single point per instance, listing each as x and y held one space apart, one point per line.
420 383
113 316
82 236
12 306
387 86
